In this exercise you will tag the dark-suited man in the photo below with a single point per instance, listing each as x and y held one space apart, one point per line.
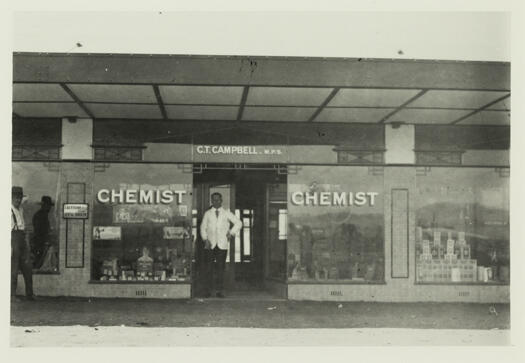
216 233
41 230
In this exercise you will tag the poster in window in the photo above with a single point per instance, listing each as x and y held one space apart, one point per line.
171 232
141 213
106 233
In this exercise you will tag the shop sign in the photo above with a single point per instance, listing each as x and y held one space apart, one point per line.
240 153
333 199
139 196
75 211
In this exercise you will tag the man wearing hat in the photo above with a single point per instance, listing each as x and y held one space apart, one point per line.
41 230
20 250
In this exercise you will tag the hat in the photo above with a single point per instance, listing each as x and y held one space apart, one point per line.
17 191
46 199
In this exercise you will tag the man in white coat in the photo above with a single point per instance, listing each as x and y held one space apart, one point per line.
216 234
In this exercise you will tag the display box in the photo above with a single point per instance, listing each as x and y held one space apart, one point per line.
110 267
455 274
159 275
450 258
435 250
425 246
461 238
437 237
425 271
437 271
425 257
450 246
441 252
483 274
419 234
127 275
159 266
144 267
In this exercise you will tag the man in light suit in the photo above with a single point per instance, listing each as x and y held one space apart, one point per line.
20 249
216 234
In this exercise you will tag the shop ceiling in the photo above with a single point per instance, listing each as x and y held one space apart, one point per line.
275 89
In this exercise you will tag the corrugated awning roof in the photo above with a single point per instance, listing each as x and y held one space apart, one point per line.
276 89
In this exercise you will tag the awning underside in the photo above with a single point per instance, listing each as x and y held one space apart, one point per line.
81 89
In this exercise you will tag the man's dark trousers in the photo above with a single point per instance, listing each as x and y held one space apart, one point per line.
215 260
20 258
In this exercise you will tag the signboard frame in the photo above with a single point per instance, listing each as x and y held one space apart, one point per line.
80 205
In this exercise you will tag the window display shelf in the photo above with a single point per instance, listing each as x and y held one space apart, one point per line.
463 283
334 282
37 272
140 282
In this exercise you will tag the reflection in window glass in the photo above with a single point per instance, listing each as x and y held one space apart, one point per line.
38 181
462 233
143 238
335 224
237 257
283 223
246 229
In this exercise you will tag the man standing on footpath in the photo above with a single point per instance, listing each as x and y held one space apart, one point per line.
41 230
20 249
216 234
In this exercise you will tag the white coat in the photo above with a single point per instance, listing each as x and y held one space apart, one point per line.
215 229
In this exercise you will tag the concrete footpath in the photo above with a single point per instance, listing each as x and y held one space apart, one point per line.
83 321
83 336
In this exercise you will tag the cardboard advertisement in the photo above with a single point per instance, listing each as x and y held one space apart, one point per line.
107 233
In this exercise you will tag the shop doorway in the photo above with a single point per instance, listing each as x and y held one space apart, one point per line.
246 193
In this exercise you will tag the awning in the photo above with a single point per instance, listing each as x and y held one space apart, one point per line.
261 89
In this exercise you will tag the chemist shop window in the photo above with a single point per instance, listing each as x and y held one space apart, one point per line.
142 224
462 226
41 214
335 225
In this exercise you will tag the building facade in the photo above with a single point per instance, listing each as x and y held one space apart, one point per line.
355 179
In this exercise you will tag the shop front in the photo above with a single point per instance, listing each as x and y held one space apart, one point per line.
330 210
330 230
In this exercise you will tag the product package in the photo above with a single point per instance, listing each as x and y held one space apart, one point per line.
425 271
441 252
110 267
160 275
437 271
426 247
333 273
468 269
419 234
127 275
450 246
437 237
461 238
455 274
465 252
504 273
434 251
483 274
144 267
451 257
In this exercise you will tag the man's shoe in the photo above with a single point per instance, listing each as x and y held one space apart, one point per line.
220 294
30 298
15 299
206 295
